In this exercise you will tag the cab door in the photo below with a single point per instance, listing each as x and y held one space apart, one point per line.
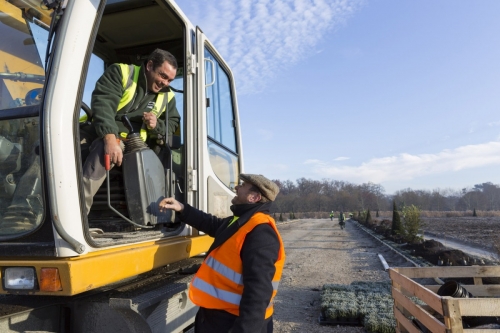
219 140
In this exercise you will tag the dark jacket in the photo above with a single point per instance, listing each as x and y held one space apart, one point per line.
107 95
258 254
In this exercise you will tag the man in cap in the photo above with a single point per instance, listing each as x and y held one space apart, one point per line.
236 284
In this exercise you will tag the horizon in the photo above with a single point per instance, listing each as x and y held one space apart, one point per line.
439 189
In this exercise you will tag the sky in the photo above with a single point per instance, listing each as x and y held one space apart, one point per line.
405 94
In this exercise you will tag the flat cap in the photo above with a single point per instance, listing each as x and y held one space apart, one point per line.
266 187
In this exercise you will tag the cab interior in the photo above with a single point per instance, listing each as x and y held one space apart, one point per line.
128 32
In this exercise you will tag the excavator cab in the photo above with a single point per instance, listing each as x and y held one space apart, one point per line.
52 52
127 203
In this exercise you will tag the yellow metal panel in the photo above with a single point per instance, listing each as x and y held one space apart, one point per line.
98 269
14 60
19 89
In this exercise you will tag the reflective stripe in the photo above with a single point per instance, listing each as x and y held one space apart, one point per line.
275 288
129 83
170 95
143 133
160 99
231 275
156 111
223 295
125 74
158 105
224 270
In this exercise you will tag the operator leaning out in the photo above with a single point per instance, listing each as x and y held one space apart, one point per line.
140 92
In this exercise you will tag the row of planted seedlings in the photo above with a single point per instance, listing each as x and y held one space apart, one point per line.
369 304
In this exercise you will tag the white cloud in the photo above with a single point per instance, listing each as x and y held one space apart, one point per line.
315 162
341 158
406 166
494 123
258 38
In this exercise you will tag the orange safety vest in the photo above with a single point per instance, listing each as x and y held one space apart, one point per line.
218 284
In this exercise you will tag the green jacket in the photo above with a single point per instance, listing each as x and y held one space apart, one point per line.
107 95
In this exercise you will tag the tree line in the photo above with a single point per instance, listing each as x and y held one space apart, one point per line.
307 195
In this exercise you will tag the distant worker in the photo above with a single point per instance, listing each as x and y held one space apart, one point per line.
140 92
332 215
341 220
236 284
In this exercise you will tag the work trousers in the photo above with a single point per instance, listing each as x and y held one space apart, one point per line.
94 171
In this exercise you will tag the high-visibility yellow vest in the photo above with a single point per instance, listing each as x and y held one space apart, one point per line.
218 284
130 76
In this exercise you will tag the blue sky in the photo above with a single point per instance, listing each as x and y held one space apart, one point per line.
399 93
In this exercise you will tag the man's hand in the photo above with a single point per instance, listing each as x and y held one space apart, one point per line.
113 149
171 203
149 119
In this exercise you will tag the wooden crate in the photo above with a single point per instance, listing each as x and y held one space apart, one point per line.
443 314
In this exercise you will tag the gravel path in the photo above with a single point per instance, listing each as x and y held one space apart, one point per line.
319 252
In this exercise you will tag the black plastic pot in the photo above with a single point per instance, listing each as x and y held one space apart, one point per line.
453 289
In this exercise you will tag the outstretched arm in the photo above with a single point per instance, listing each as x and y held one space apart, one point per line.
171 203
202 221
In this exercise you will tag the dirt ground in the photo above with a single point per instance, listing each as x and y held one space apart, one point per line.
478 237
483 232
319 252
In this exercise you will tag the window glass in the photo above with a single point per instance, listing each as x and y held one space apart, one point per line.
220 123
96 69
21 203
22 76
220 114
224 164
178 84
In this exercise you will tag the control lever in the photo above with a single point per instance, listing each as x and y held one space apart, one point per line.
134 141
127 123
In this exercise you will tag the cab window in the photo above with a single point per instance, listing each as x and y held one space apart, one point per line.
221 127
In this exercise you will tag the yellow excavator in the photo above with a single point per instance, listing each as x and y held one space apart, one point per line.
124 267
